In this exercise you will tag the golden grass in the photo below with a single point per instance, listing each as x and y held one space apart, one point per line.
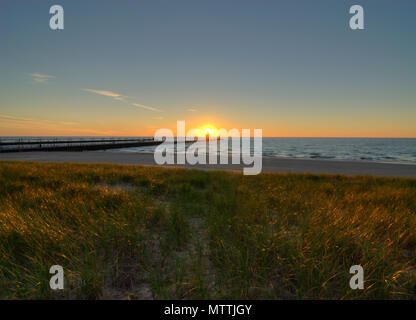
144 232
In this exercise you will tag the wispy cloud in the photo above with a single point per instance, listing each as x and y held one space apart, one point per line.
192 110
122 98
146 107
40 77
115 96
52 127
4 117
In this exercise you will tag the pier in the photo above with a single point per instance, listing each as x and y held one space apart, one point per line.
21 145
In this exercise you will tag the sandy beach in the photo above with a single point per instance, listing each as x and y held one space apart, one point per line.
270 164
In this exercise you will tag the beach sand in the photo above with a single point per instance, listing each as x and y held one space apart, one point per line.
270 164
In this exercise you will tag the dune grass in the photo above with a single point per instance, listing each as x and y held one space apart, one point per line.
132 232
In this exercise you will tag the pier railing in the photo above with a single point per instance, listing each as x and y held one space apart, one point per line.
25 145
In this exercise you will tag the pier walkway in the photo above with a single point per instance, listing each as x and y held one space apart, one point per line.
22 145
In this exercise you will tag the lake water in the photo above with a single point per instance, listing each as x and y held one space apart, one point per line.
366 149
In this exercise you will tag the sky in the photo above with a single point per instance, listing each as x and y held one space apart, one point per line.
128 68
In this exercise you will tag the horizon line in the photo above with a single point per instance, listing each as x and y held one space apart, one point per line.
139 136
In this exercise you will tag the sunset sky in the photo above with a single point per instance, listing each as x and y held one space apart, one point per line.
128 68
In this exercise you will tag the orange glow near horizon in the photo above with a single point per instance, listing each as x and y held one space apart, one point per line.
36 131
24 127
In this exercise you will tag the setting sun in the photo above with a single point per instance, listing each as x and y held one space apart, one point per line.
208 131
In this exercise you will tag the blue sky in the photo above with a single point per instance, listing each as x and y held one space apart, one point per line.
292 68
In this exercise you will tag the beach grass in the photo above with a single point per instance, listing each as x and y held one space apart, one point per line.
136 232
